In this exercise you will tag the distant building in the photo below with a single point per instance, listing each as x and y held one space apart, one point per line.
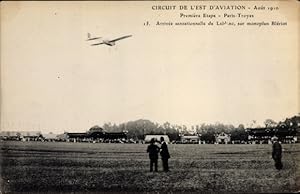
10 135
222 138
21 135
285 133
61 137
190 139
96 134
76 137
157 138
260 135
50 137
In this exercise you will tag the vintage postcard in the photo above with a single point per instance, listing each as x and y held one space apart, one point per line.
150 96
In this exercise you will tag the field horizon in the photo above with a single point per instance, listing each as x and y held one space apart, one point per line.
39 167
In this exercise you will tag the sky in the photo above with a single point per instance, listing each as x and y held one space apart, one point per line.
53 80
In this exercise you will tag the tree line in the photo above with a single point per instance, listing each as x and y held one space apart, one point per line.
139 128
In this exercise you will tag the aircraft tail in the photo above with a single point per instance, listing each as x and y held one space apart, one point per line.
89 37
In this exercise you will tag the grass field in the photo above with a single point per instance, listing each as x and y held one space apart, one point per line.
68 167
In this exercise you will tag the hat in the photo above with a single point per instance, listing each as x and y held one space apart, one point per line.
274 138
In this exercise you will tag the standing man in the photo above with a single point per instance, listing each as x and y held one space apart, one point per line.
277 153
153 151
164 153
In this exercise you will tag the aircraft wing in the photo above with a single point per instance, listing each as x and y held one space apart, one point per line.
93 38
120 38
97 44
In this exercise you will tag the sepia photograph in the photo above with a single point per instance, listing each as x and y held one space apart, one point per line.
150 96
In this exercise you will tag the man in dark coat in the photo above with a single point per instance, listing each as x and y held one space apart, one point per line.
164 153
277 153
153 151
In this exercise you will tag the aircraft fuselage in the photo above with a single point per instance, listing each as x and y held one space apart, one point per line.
109 43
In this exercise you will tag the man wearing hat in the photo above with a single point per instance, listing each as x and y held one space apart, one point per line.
164 153
153 151
277 153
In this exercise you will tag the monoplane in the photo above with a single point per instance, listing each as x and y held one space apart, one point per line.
111 42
